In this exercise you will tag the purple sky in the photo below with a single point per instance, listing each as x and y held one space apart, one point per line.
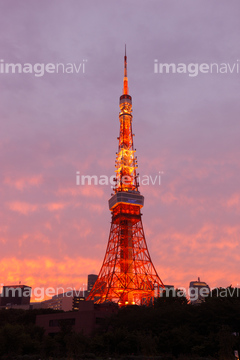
53 232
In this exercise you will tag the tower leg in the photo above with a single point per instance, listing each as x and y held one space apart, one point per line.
127 275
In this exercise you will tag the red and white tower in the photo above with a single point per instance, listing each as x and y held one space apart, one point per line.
127 275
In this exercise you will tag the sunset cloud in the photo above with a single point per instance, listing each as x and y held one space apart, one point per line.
55 206
24 183
45 272
22 207
86 191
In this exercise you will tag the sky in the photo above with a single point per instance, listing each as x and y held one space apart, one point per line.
53 232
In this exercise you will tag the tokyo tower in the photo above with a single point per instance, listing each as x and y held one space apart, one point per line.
127 275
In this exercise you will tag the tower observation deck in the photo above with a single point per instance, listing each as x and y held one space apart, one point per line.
127 275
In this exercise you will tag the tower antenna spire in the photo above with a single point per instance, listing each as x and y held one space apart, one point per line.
125 79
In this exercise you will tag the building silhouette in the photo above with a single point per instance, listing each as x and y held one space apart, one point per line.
198 290
92 278
67 301
87 319
13 295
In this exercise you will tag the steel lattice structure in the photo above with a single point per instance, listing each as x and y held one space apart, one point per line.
127 275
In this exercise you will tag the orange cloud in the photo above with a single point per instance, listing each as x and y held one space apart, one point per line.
99 208
70 191
22 207
210 252
48 272
85 190
26 208
55 206
25 182
234 201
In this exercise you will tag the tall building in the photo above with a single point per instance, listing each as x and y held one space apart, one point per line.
128 275
15 295
92 278
198 290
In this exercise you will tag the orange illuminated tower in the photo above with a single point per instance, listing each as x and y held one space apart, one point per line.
127 275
